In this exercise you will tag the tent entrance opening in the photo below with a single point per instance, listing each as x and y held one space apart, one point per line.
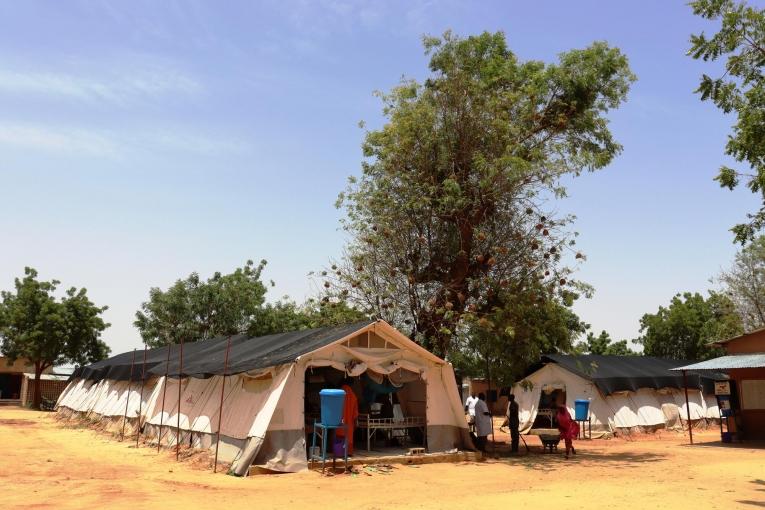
391 408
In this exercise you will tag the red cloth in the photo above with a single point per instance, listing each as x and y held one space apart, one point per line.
350 413
569 429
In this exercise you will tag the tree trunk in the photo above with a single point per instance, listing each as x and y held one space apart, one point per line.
37 398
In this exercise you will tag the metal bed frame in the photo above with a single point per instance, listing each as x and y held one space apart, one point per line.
372 425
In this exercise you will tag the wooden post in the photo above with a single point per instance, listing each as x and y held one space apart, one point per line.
220 409
687 405
178 426
140 401
127 400
164 392
488 401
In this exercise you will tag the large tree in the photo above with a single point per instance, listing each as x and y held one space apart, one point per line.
685 328
450 206
738 89
744 283
37 327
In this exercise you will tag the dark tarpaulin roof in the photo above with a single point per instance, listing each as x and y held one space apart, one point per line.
630 373
206 357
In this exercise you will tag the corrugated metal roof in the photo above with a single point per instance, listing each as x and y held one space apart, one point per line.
756 360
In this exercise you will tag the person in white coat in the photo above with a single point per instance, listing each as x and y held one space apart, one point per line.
470 410
483 424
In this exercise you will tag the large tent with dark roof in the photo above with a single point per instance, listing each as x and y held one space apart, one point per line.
270 396
625 392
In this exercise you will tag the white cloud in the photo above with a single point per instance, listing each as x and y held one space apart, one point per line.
105 143
73 141
112 87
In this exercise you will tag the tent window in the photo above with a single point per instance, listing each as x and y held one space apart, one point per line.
376 342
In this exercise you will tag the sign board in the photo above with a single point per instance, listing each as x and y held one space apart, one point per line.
722 387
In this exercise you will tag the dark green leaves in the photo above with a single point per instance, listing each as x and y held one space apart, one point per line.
740 90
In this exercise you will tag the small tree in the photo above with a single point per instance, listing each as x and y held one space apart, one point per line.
46 332
685 329
519 330
744 283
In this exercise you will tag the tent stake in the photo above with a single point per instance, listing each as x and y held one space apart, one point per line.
178 427
220 410
687 405
140 401
127 400
164 392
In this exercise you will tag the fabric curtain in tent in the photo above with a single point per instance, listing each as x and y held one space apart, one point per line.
446 425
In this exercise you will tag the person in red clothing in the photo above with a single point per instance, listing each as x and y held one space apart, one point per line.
350 413
568 428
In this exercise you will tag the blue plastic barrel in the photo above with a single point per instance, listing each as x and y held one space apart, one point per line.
332 402
581 407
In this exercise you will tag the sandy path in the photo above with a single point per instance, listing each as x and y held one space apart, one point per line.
43 465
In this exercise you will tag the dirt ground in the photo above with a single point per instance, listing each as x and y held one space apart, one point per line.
46 465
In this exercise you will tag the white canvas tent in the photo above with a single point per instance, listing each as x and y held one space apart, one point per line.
263 419
625 392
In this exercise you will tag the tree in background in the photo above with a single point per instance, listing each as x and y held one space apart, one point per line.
47 332
603 345
685 328
447 214
227 304
519 331
286 315
741 89
193 309
744 283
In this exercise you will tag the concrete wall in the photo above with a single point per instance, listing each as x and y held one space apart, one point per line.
19 367
753 342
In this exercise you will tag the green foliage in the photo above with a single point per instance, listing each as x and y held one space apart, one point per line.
46 331
744 283
286 315
740 90
447 211
519 331
603 345
685 328
193 309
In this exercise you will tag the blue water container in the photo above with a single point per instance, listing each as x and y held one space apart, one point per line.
581 408
332 402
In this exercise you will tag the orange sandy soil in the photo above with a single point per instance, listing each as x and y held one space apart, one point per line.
44 464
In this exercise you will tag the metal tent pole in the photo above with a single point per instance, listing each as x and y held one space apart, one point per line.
687 405
140 401
164 392
127 400
220 409
178 425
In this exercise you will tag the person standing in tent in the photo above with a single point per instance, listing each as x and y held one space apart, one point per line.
483 423
350 413
568 428
514 423
470 410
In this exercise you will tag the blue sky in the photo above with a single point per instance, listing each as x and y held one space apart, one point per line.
142 140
